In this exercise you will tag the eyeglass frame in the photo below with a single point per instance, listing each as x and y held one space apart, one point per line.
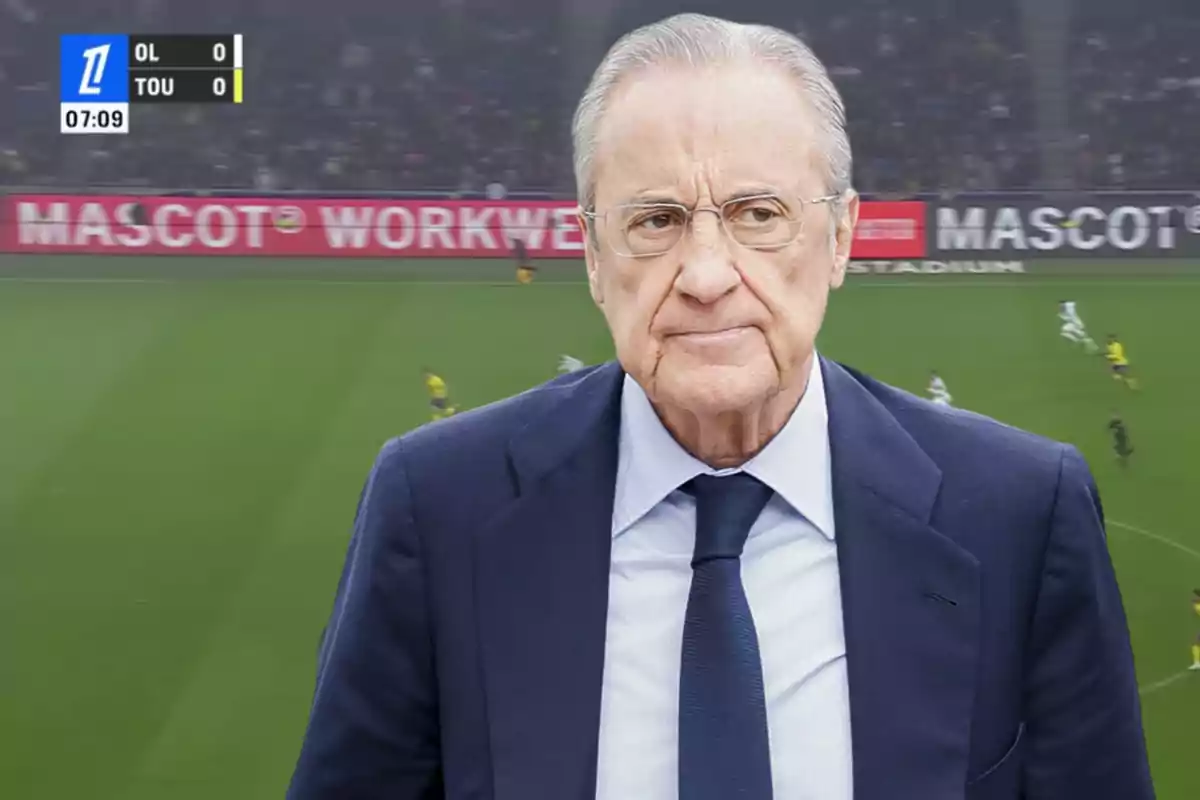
690 213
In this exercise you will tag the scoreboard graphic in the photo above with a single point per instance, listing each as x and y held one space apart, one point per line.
101 76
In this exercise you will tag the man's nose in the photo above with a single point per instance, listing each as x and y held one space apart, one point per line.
707 272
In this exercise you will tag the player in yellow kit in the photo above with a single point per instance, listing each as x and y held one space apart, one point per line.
1114 351
526 271
439 395
1196 644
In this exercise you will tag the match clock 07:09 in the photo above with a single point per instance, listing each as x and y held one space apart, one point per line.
95 118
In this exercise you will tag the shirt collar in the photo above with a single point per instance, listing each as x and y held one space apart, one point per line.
796 463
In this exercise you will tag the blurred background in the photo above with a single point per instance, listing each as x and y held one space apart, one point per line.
183 436
455 95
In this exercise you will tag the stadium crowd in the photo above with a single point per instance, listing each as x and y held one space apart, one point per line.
461 95
1135 71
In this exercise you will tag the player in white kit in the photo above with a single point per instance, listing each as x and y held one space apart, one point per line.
568 364
1072 326
938 391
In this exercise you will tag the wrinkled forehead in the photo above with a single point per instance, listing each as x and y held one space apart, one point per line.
702 134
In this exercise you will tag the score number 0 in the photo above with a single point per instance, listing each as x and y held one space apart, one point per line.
219 52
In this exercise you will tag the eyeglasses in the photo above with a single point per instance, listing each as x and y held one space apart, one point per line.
759 222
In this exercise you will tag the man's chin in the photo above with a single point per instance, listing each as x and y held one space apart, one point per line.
714 389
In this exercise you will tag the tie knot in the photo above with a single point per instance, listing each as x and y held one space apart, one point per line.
726 508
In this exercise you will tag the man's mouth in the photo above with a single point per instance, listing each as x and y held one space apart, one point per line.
722 336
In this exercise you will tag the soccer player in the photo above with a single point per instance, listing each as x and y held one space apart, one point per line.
568 364
439 395
526 271
1120 434
938 391
1196 644
1114 351
1072 326
138 215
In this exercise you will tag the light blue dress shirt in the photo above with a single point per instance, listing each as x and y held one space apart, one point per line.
790 572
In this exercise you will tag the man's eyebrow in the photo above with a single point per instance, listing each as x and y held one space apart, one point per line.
653 197
753 191
657 196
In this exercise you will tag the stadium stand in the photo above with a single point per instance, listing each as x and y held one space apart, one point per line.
455 95
1136 104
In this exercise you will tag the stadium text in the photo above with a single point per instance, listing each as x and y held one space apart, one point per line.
389 228
935 267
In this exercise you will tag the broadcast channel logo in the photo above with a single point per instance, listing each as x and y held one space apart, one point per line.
93 69
93 83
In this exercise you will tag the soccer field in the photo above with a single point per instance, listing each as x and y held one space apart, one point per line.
182 444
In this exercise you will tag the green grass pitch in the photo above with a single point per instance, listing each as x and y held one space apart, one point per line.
182 443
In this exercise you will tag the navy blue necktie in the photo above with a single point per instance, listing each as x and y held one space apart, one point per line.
724 753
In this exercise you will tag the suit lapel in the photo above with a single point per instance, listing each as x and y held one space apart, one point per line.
910 604
542 588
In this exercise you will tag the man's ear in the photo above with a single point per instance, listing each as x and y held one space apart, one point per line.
844 237
590 257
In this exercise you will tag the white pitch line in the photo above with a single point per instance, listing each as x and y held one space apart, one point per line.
291 281
88 280
1150 688
1029 282
402 281
1164 683
1158 537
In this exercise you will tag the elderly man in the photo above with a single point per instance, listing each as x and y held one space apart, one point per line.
723 567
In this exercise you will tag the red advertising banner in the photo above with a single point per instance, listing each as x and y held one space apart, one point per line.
890 229
375 228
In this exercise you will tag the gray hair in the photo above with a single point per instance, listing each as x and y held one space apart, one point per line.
698 40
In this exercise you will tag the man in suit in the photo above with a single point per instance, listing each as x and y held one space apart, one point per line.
723 566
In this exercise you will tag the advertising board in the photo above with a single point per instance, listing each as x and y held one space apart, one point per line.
340 227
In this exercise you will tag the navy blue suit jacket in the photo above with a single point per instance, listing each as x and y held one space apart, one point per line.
987 647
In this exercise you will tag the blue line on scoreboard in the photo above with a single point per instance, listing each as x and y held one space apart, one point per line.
93 68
